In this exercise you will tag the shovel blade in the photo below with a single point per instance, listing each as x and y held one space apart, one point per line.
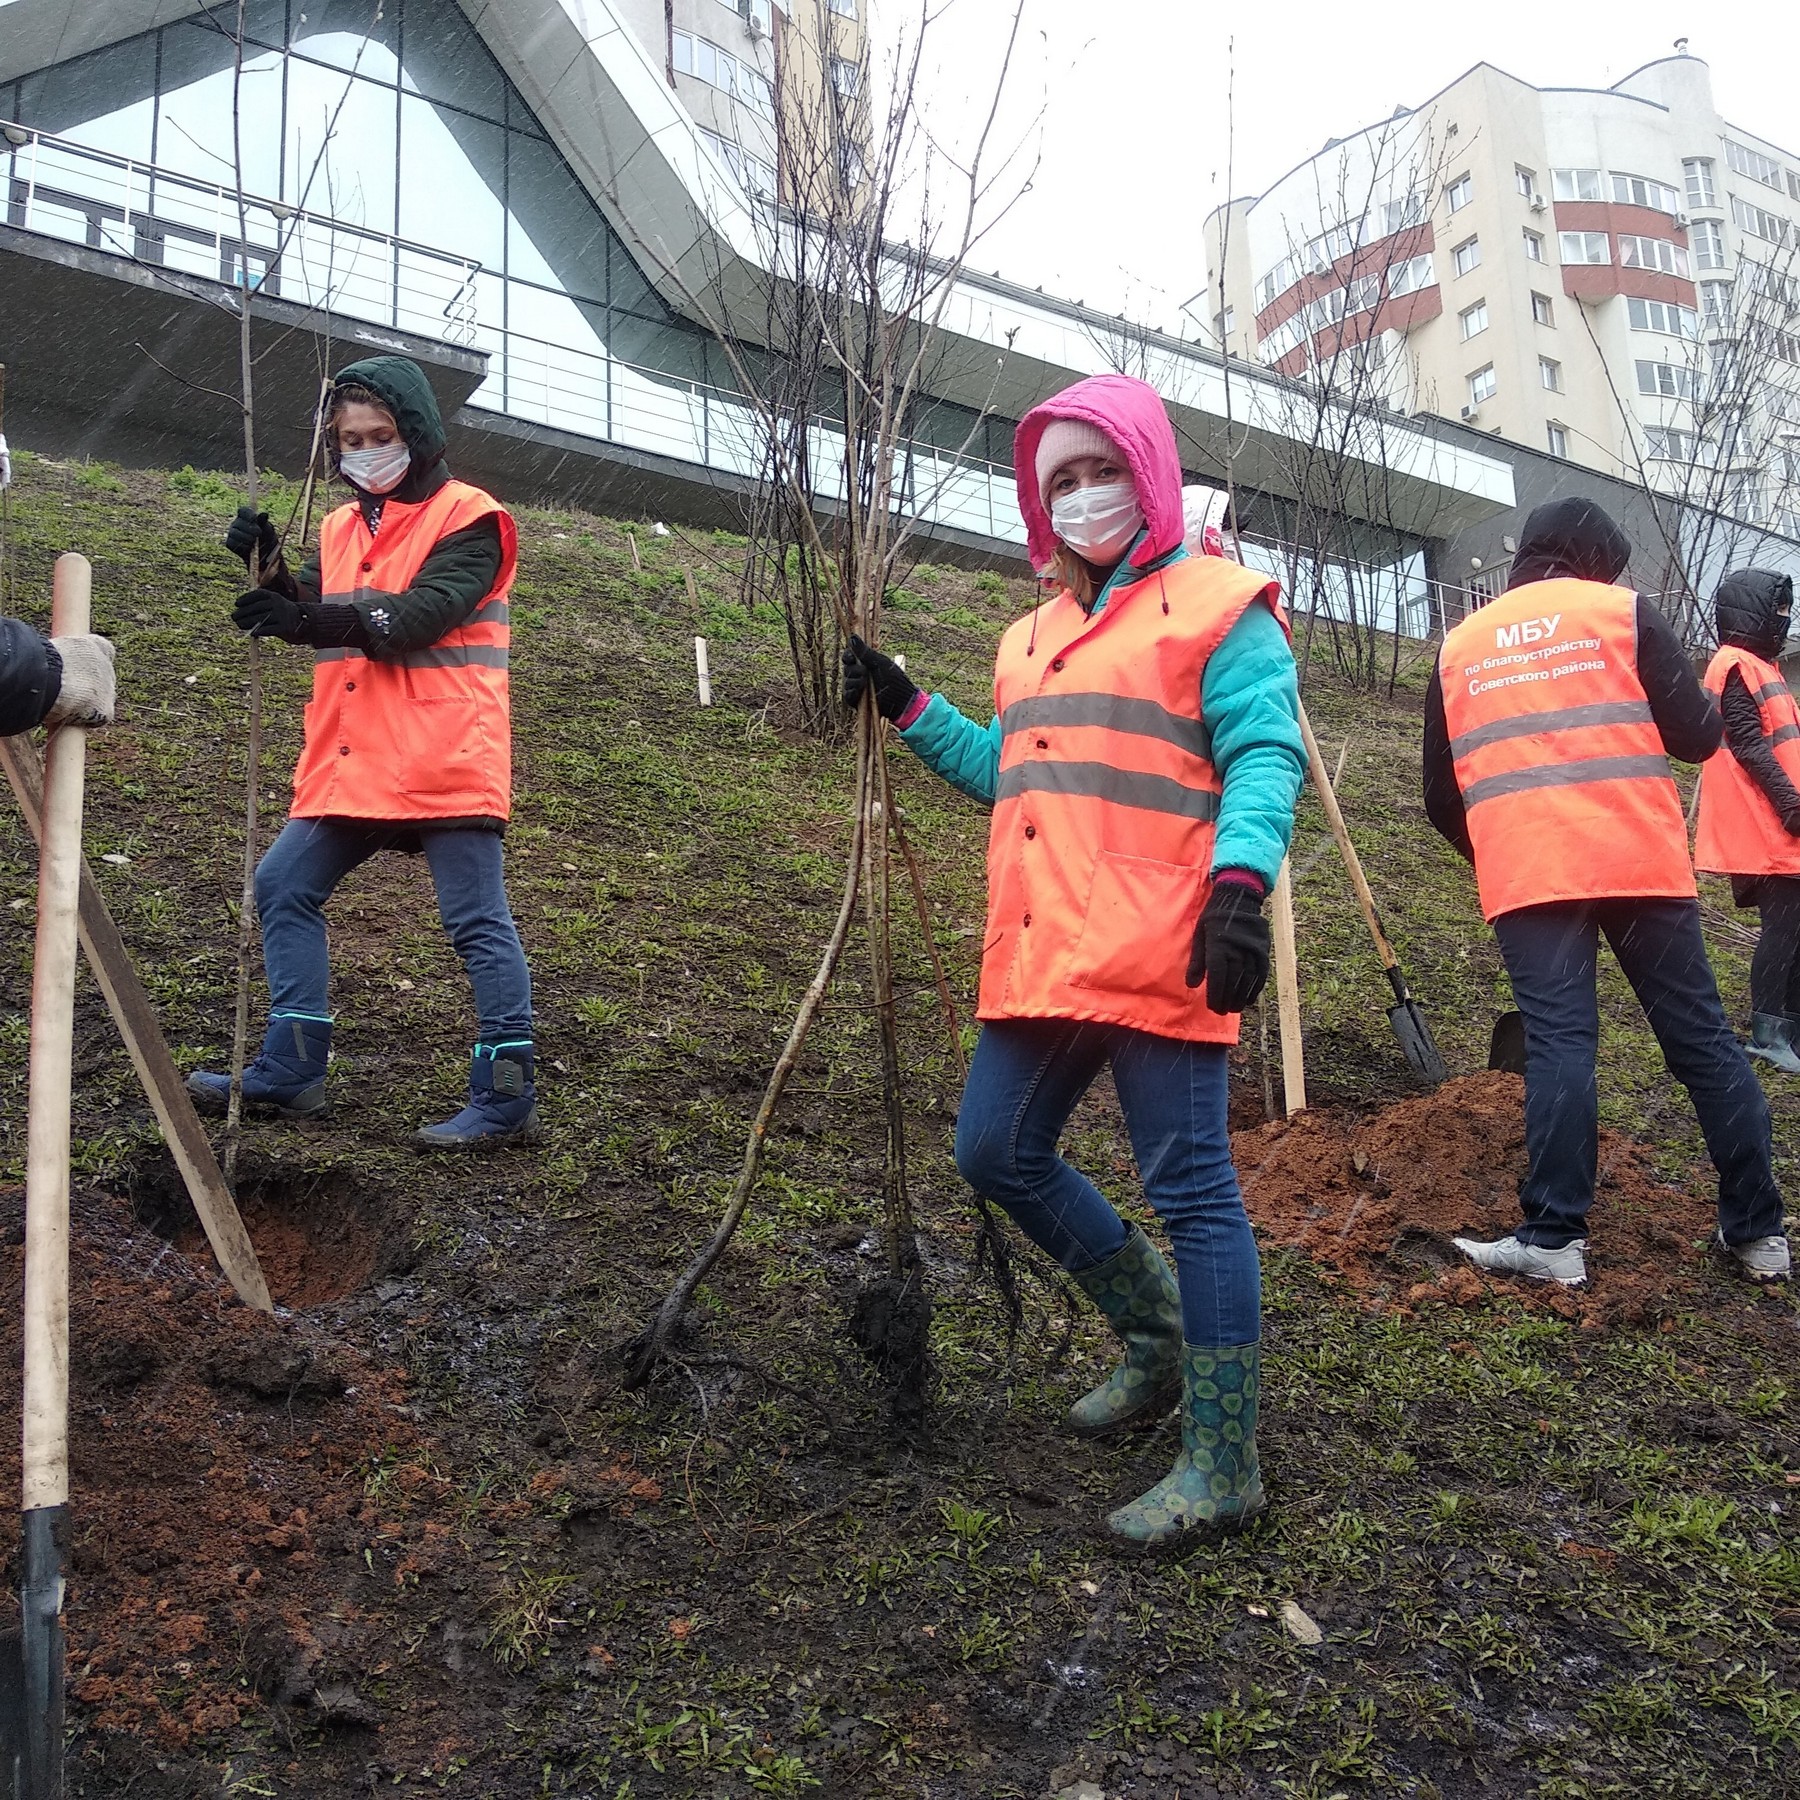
1506 1047
1415 1040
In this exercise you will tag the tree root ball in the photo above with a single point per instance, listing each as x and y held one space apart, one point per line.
890 1319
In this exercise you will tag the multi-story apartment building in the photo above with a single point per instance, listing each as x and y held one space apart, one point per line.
1610 275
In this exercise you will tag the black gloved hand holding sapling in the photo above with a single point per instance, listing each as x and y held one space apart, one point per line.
265 613
251 530
895 691
1231 942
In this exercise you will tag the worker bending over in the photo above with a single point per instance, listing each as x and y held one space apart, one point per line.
1142 769
1548 727
408 742
1750 797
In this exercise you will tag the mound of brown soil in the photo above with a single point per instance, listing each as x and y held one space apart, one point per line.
226 1535
1377 1200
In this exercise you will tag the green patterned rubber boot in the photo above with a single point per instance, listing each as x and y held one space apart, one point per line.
1138 1295
1215 1484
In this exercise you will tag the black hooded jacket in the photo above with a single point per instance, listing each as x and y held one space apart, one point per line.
453 580
1575 538
1753 609
30 676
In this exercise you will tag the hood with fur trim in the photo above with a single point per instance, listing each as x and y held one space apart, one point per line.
1132 414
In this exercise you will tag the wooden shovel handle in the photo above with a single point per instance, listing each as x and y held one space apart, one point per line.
45 1461
1334 816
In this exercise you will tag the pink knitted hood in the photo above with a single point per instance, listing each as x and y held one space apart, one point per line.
1131 413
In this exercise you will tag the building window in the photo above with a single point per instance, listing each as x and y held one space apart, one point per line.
1541 311
1652 253
1708 243
1575 184
845 9
1482 385
1550 374
720 69
1793 180
1640 190
1534 246
1525 180
1661 444
1409 276
1698 172
1559 439
1584 247
1743 497
1227 323
1462 191
1467 255
1474 320
757 15
1665 380
1399 215
1715 303
1770 227
1753 163
846 76
752 173
1663 315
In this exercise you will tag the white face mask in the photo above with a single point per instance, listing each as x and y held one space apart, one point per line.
1098 523
376 471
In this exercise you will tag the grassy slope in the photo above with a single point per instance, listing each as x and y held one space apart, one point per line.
860 1616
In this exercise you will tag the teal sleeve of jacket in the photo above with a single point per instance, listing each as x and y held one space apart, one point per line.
1250 705
950 743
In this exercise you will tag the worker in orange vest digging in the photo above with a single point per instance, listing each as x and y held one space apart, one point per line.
1142 769
1548 728
1750 797
408 743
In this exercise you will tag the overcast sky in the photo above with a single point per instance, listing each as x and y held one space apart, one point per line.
1135 145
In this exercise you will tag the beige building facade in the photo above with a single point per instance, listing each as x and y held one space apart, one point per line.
1609 275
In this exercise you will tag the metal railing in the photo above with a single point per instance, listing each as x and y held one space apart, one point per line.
163 220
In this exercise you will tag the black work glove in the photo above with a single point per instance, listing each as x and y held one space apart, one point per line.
894 691
251 530
1231 944
264 613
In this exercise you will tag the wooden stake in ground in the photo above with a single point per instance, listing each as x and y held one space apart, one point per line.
1287 991
133 1014
240 1025
44 1461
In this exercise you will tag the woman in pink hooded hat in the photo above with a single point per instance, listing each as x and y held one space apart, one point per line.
1142 766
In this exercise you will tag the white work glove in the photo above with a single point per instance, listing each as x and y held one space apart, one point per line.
89 687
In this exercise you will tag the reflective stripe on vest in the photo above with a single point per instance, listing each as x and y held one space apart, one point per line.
425 734
1557 755
1101 840
1739 830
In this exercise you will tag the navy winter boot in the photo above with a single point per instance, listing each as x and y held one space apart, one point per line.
287 1077
502 1105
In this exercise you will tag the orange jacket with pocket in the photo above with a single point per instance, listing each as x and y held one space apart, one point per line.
1100 848
1739 832
424 734
1558 758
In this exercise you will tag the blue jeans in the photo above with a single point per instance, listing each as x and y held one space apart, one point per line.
1551 954
301 871
1026 1079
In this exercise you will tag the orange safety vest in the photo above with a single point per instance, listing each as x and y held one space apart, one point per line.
1740 833
1560 763
426 734
1100 850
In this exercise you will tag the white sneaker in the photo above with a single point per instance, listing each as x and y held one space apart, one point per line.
1507 1255
1762 1259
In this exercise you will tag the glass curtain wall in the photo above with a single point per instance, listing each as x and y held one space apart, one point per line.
398 177
455 217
